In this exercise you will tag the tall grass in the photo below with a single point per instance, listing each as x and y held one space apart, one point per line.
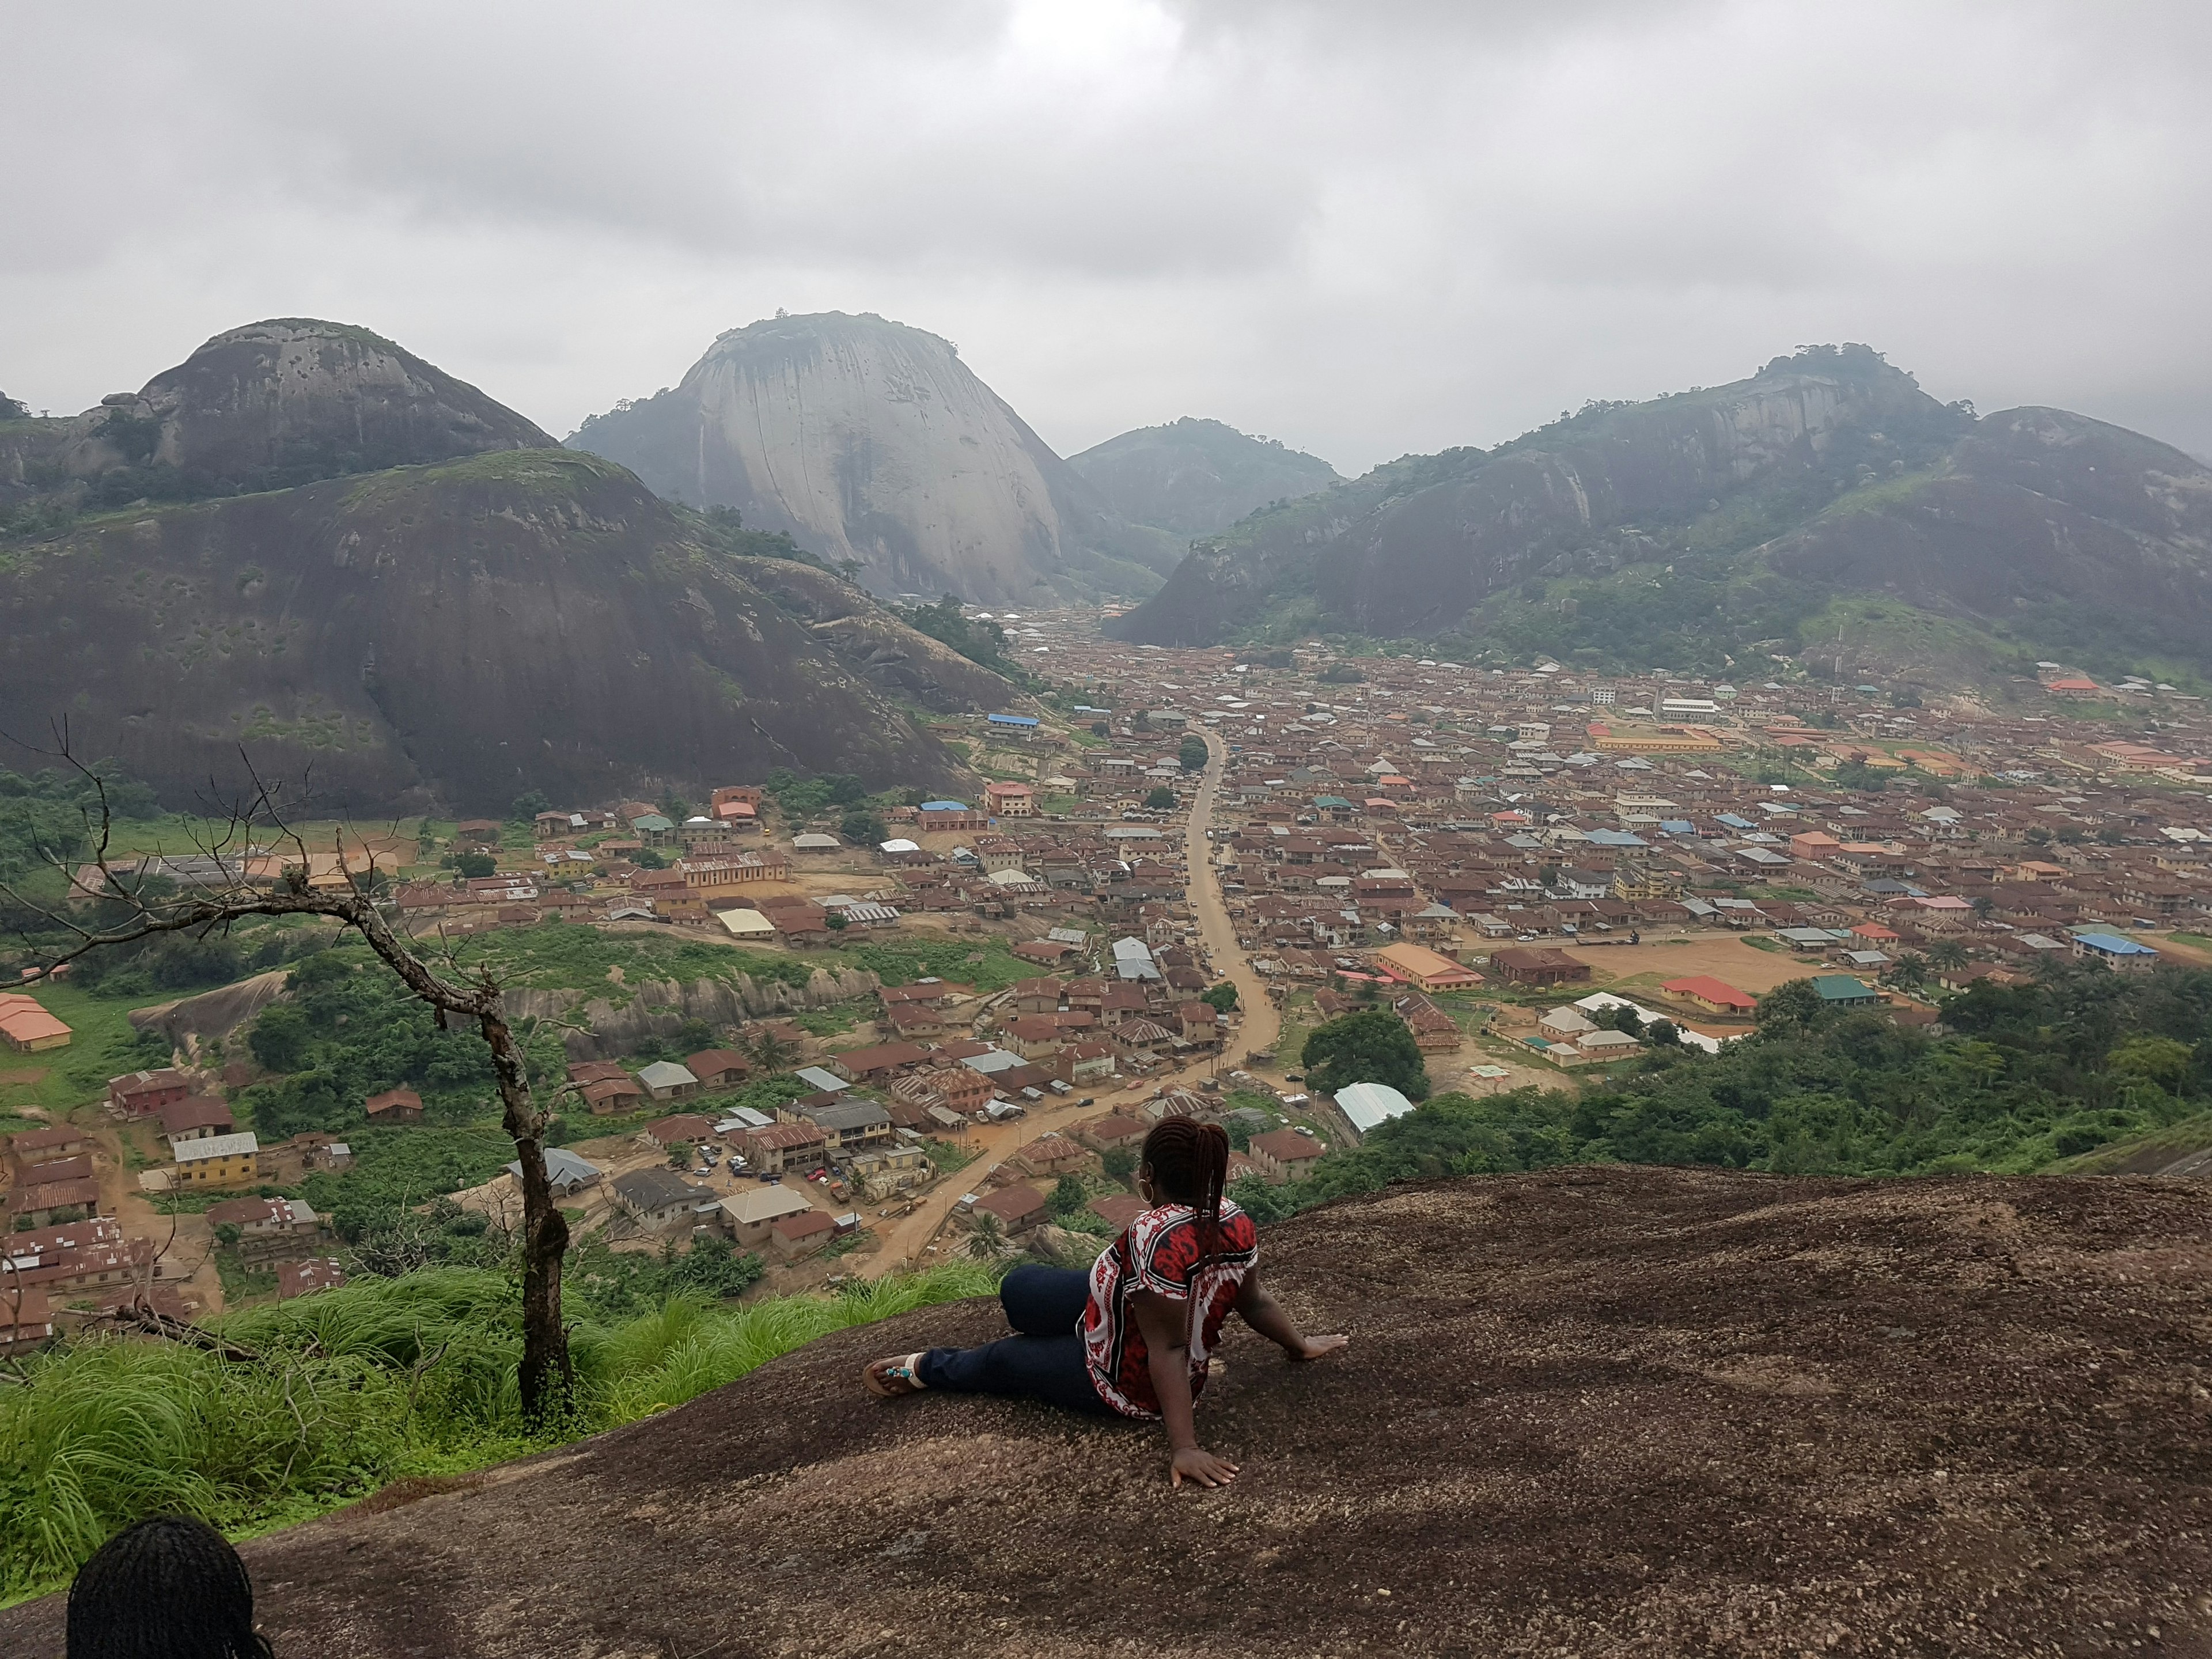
350 1390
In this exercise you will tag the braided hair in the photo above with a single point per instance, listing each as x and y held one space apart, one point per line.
1189 1162
165 1588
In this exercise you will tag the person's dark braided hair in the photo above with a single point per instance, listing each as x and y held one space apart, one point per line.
165 1588
1190 1165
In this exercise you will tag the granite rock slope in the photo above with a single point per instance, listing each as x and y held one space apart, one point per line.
1596 1412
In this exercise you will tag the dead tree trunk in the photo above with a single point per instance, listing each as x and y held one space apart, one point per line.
212 906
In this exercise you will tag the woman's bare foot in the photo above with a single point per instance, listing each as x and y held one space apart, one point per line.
891 1377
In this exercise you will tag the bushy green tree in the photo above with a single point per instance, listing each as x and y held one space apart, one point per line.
474 866
1190 754
1161 799
1068 1196
1372 1046
1221 997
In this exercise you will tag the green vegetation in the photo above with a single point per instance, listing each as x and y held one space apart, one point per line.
351 1029
983 643
49 816
803 797
1221 997
349 1390
950 1155
1160 799
1372 1046
2032 1073
1190 753
988 964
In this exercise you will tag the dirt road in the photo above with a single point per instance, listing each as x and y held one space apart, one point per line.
903 1243
1203 884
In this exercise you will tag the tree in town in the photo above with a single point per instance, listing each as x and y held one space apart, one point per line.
1221 997
769 1050
1372 1045
1069 1195
528 804
1161 799
1120 1163
474 865
987 1237
1790 1008
1190 753
1948 954
210 906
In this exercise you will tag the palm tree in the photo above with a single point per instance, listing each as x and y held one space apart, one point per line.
1909 969
769 1051
988 1238
1948 954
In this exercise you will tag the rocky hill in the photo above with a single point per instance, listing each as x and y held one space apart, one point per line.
871 443
1591 1411
509 617
1693 528
1196 478
286 402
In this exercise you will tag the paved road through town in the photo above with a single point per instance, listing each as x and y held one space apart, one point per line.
904 1242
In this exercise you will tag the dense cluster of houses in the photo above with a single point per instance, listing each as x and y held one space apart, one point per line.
1484 817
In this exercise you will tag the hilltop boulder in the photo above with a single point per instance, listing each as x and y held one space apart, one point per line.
288 401
1588 1412
872 444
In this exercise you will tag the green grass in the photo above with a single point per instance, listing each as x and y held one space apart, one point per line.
2203 942
350 1390
2176 1140
241 1283
102 1045
950 1155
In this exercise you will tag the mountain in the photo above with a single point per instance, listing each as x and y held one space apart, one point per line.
1763 515
1196 478
289 401
872 444
498 615
1600 1411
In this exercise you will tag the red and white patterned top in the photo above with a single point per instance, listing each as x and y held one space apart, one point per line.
1159 1251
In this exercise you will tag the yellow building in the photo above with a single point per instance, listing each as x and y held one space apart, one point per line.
218 1161
1656 740
27 1027
1427 969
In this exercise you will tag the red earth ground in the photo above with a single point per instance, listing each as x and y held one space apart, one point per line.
1589 1411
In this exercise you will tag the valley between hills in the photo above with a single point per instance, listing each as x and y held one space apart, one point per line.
1696 921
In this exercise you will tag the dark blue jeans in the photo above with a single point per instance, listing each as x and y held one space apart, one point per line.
1043 1360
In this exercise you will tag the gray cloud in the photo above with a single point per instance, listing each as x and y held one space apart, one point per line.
1364 230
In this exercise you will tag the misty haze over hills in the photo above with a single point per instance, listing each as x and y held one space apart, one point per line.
1825 498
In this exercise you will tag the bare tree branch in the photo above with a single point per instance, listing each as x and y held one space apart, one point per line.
219 889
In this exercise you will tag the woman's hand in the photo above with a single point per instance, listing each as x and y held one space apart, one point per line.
1316 1347
1201 1466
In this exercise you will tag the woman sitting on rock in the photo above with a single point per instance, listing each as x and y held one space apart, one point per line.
1132 1337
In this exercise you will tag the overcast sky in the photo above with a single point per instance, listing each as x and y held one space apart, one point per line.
1366 228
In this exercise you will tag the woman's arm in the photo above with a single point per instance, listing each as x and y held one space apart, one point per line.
1257 1309
1167 1356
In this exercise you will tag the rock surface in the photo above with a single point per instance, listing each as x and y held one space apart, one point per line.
1595 1411
658 1008
458 634
870 441
291 400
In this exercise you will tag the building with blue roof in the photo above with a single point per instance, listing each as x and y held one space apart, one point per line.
1022 721
2115 952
